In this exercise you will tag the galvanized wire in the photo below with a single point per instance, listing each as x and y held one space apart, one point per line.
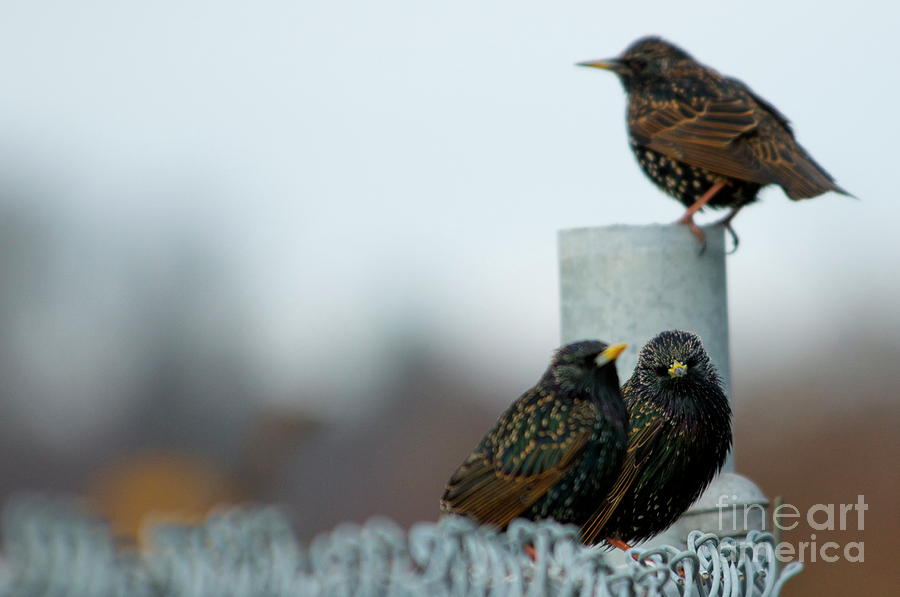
52 549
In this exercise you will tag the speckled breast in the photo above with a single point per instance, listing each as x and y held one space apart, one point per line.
688 183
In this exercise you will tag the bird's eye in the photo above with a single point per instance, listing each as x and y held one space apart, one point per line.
661 371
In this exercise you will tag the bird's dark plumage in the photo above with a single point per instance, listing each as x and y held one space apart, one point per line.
691 128
555 452
680 434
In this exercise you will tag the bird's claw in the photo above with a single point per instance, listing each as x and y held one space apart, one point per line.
734 237
726 223
696 230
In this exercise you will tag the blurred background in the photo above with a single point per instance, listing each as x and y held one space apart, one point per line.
305 252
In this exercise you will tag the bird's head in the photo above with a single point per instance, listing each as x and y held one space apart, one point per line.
647 59
675 364
586 365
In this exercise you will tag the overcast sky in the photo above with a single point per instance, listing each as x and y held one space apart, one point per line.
361 163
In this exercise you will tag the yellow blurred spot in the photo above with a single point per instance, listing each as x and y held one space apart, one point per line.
164 487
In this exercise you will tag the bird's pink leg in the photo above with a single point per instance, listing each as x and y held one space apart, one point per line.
618 544
688 217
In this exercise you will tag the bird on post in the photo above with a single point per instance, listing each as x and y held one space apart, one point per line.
679 436
707 139
555 452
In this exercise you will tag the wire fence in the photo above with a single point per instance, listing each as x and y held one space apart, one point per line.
51 548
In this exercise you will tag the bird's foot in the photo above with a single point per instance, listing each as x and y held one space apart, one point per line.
618 544
531 552
734 238
688 220
688 217
726 222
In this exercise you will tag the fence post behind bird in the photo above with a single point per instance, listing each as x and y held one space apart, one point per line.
626 283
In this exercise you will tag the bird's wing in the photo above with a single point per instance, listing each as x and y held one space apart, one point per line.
739 135
641 438
793 168
763 103
704 135
532 446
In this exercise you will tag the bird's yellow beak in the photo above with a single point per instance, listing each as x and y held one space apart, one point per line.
610 354
608 64
678 369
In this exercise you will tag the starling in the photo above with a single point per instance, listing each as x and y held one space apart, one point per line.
707 139
555 452
680 433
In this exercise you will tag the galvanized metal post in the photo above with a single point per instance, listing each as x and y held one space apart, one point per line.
627 284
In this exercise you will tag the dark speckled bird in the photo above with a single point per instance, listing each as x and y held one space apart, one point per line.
707 139
555 452
680 434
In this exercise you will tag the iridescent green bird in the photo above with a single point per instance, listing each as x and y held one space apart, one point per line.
680 434
556 452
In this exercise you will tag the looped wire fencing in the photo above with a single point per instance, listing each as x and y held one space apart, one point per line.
52 549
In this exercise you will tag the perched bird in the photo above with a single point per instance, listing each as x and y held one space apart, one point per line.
555 452
680 433
707 139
